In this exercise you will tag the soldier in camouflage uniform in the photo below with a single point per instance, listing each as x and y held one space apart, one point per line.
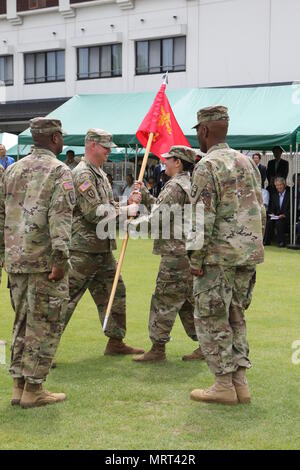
93 264
36 233
174 286
228 184
1 214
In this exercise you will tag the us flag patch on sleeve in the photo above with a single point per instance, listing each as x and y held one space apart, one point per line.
85 186
68 185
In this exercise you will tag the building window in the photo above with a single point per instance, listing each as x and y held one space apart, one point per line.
25 5
42 67
99 61
6 70
2 7
160 55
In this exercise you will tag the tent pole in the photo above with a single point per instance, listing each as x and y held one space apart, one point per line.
125 166
136 159
291 196
296 194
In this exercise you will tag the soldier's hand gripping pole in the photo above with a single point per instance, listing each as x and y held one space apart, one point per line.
125 242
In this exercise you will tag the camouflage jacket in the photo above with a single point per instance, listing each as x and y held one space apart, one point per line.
175 192
1 217
229 186
37 207
92 190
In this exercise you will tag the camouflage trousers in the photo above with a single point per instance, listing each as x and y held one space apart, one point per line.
221 297
173 295
40 307
96 273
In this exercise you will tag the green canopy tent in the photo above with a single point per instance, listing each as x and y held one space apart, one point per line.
23 150
116 155
260 117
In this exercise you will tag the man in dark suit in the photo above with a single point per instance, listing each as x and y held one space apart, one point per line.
277 167
278 213
262 169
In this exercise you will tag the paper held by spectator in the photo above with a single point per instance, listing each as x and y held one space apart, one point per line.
274 217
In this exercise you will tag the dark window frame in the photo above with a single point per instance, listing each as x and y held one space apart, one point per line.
161 66
34 80
9 82
98 77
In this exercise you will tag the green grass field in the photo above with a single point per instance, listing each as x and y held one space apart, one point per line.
114 403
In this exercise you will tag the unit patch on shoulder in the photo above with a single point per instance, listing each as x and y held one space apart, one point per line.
91 194
85 186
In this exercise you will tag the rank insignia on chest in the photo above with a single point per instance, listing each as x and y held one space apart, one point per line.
68 185
85 186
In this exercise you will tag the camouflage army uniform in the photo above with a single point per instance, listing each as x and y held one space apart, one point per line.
228 184
93 264
1 216
38 206
174 284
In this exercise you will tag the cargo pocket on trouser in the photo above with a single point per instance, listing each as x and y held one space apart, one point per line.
166 301
250 290
47 322
212 299
243 287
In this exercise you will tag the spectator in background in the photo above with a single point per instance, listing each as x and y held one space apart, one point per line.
266 197
271 188
157 172
278 213
5 160
163 180
277 167
70 159
129 186
150 185
262 169
115 188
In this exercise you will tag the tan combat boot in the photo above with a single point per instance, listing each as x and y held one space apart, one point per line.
196 355
34 395
115 347
156 354
17 391
241 385
222 391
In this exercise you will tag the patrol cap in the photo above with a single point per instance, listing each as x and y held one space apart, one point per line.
212 113
182 152
100 136
42 125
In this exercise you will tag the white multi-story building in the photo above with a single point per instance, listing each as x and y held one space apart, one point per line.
51 50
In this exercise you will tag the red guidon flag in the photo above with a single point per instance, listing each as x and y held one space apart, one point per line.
161 121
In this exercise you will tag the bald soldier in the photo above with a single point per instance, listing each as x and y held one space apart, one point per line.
228 185
35 229
93 264
174 285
